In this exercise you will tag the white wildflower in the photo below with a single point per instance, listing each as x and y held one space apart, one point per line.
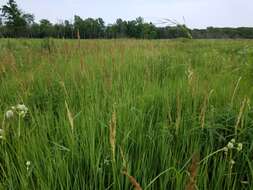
22 110
232 162
230 145
106 162
22 113
9 114
28 164
239 147
22 107
1 133
232 141
225 149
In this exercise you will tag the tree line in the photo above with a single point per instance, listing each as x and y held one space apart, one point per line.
15 23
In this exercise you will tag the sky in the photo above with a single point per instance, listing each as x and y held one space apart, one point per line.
193 13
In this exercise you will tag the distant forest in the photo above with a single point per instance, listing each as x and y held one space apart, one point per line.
14 23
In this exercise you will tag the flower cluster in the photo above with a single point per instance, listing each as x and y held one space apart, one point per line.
230 146
227 149
233 145
21 110
28 164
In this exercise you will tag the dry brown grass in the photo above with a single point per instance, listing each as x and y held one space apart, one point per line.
132 180
193 171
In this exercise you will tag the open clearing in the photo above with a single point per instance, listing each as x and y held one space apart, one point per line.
172 114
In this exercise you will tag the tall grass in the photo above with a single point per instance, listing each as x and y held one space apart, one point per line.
124 114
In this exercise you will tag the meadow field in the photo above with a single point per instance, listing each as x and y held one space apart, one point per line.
126 114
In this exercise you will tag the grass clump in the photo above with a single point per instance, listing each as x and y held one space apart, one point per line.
122 114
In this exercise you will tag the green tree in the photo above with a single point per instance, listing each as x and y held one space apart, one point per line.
89 28
69 29
29 18
131 29
59 30
14 18
79 26
121 28
1 27
35 30
149 31
101 27
46 28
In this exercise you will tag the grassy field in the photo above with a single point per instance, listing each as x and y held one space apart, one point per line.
125 114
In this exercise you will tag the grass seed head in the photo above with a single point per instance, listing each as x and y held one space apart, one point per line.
70 117
133 181
113 133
